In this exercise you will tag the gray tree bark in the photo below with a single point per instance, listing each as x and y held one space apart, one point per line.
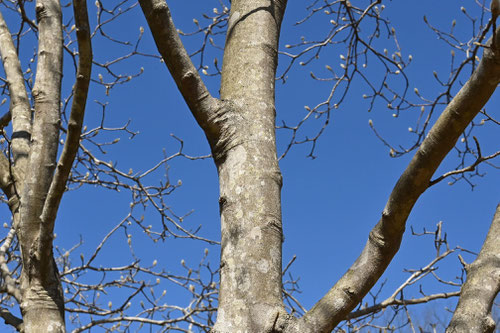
473 312
32 183
249 175
42 303
240 127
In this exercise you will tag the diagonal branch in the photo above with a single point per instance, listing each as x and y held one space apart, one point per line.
5 120
58 185
473 312
10 319
385 238
178 62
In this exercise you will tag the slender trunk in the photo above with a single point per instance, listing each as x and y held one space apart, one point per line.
250 179
42 298
473 312
240 129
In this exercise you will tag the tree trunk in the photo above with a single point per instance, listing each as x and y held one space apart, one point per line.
473 312
42 298
241 130
250 179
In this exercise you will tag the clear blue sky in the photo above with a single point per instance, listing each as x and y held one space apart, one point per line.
329 203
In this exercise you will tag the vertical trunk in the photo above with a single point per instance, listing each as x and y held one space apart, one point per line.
42 298
473 312
241 131
250 180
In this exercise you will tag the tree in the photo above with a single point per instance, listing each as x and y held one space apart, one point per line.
240 127
32 183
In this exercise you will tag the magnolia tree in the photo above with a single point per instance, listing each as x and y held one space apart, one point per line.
246 291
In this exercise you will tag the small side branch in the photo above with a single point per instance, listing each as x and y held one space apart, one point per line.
10 319
5 176
5 120
472 167
9 282
395 301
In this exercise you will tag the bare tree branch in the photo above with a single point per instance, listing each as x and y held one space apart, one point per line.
12 320
20 110
417 275
185 74
469 168
40 281
385 237
5 120
72 143
473 312
396 301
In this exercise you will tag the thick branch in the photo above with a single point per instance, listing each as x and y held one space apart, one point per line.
178 62
385 237
250 297
43 301
20 110
43 154
473 312
74 126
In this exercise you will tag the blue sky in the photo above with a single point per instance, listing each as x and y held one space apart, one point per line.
330 203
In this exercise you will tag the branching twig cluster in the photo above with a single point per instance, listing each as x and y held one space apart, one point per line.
354 36
90 289
354 33
393 314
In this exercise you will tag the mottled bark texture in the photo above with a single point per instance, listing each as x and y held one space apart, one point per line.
241 130
250 179
473 312
31 183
